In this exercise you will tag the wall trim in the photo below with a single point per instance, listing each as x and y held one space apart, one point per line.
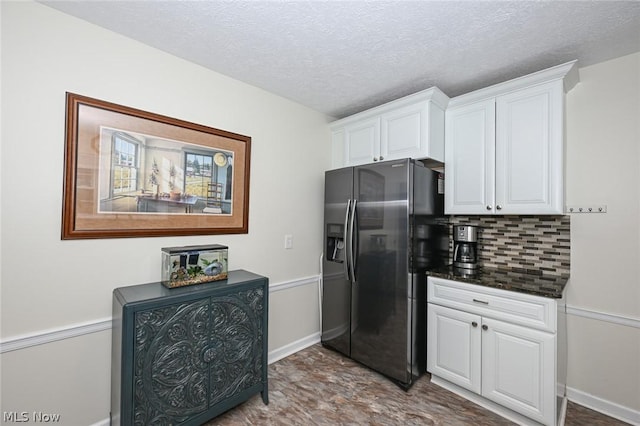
294 283
62 333
293 347
54 335
80 329
603 316
603 406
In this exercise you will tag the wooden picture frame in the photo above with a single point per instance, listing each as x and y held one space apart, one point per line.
132 173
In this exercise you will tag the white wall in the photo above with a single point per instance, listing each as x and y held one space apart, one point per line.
603 167
50 284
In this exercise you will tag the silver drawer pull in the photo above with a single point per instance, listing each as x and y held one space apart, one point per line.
481 301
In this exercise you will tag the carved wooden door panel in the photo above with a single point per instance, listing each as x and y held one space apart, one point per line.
170 374
235 351
191 356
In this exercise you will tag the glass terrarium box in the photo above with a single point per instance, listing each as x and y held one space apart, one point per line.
189 265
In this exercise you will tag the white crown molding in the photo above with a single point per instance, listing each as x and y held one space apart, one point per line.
433 94
568 72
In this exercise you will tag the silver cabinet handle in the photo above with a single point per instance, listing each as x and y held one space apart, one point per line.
375 158
474 324
481 301
499 207
381 158
488 207
484 327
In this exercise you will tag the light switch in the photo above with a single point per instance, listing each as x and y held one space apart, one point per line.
288 241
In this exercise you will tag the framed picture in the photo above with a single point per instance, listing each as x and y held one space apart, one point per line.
132 173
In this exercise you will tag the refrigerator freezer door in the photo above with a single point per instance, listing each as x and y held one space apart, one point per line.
336 286
380 309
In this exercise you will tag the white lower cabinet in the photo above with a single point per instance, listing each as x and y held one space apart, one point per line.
453 348
474 344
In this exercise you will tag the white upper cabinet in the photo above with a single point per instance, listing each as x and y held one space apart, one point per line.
504 146
410 127
470 158
362 141
413 131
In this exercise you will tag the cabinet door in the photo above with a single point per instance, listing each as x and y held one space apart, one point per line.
453 346
518 369
170 381
362 142
413 131
529 150
469 158
235 352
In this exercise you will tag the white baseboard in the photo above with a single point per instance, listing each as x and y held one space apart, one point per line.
291 348
609 408
603 406
483 402
562 416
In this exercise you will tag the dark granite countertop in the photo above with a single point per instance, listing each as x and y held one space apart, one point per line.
506 279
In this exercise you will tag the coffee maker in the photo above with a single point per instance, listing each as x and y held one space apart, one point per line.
465 246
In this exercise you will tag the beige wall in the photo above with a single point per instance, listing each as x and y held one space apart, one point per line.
603 167
48 283
52 284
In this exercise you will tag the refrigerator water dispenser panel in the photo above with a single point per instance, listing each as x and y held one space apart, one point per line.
335 242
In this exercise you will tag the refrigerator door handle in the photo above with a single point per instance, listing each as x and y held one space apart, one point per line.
346 241
352 264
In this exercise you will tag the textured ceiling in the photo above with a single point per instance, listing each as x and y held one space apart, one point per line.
342 57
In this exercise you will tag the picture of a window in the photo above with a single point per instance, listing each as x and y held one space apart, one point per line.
146 174
124 165
199 169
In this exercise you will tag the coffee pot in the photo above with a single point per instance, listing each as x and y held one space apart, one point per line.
465 246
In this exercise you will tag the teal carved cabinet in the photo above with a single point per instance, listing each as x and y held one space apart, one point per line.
182 356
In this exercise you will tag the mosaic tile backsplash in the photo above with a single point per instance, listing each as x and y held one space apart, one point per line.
535 244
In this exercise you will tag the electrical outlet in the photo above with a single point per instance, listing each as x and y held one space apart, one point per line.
586 209
288 241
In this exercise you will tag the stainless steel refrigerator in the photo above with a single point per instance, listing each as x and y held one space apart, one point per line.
384 227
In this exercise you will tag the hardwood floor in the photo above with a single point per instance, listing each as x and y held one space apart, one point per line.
317 386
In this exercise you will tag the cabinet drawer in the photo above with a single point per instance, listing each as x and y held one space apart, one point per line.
517 308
